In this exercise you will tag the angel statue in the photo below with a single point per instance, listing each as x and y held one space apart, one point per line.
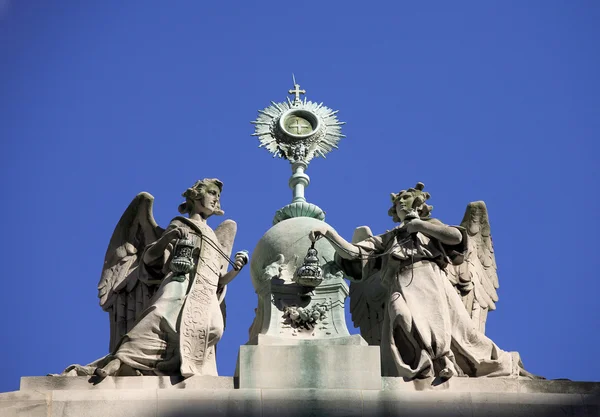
422 291
164 289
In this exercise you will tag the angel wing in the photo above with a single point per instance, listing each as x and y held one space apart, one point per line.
225 233
476 279
367 299
120 291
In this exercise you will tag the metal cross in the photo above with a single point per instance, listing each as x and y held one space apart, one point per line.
297 92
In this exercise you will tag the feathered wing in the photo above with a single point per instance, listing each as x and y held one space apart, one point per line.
120 291
367 299
225 233
476 279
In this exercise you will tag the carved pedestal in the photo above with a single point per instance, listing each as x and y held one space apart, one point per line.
288 310
299 338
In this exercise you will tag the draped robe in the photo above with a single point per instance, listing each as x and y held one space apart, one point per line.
426 327
178 332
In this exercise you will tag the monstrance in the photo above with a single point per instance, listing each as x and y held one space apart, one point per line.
298 130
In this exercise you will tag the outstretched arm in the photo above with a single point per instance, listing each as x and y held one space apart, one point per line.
343 248
445 234
240 260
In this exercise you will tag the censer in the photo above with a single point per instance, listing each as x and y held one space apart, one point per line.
310 273
183 261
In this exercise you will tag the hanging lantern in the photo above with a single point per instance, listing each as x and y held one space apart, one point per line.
310 273
183 261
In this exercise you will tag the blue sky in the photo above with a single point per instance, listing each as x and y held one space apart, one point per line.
494 101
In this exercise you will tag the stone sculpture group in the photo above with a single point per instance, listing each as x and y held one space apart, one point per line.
421 291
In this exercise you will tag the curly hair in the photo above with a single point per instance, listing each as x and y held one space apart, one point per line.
420 196
196 191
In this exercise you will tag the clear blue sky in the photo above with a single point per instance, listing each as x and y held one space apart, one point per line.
495 101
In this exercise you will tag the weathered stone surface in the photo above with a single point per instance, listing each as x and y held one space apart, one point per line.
130 403
24 404
316 366
591 404
426 404
352 340
469 397
559 386
453 384
312 402
42 383
209 402
493 385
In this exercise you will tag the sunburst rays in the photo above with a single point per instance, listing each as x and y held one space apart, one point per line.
319 143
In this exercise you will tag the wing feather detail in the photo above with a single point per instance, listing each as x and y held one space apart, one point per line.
120 291
367 299
477 279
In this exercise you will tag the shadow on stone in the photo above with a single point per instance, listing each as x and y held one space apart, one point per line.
95 379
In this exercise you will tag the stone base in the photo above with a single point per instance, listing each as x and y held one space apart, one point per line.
344 363
216 396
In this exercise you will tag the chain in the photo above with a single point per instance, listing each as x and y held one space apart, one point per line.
209 241
360 256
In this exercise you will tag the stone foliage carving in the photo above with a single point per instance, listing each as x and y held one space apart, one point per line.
300 317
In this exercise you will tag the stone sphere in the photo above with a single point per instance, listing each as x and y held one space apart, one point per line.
289 238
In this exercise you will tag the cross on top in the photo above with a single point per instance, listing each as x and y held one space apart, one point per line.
297 92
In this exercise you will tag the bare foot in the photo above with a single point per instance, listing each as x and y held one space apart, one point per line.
110 369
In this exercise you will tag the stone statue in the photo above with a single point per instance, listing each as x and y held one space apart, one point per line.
164 289
411 286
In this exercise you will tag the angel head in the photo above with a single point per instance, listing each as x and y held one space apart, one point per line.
204 198
410 201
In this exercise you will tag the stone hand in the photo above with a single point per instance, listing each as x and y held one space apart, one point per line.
414 226
172 235
181 233
241 259
317 233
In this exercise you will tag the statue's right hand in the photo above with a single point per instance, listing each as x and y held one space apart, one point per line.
179 233
315 234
